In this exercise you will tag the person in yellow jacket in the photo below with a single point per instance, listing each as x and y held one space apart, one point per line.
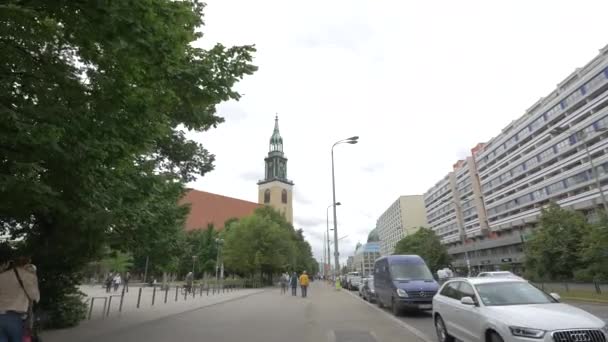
304 281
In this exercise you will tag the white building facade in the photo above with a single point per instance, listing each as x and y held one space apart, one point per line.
403 217
541 157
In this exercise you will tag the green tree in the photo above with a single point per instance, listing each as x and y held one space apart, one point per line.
553 249
256 245
94 100
200 244
117 261
428 246
594 252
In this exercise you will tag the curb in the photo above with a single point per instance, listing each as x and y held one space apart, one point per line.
587 300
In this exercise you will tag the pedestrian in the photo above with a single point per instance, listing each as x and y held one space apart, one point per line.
116 281
304 281
284 280
19 285
108 282
189 281
294 284
126 281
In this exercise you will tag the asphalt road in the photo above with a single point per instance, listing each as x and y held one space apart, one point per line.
423 322
269 316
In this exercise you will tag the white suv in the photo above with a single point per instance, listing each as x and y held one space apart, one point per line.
498 309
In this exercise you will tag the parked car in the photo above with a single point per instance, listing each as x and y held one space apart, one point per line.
497 274
366 290
404 282
353 280
504 309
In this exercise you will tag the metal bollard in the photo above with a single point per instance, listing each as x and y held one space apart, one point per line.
200 294
122 298
153 295
105 300
207 290
193 289
176 291
139 297
166 293
185 294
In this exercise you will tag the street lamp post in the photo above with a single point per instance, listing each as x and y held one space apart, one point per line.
559 130
328 244
351 140
219 242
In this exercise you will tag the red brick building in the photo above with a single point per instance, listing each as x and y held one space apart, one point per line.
206 208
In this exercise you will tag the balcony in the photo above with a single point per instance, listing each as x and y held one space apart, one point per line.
505 240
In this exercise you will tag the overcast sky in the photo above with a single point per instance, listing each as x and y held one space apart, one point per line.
421 82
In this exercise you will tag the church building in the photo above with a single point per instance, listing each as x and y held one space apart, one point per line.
276 190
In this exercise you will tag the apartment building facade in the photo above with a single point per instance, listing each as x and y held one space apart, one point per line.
541 157
403 217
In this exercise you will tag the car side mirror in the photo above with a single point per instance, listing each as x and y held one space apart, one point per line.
556 296
467 301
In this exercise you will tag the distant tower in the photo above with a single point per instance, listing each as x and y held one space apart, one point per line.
276 190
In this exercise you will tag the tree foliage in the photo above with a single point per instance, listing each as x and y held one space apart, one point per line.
201 245
94 98
428 246
553 250
265 243
594 252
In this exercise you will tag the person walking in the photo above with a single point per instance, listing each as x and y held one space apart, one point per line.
19 285
284 280
126 281
294 284
108 282
189 282
116 281
304 281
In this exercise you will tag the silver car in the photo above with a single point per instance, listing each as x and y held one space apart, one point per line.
505 309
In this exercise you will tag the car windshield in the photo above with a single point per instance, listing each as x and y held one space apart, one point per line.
512 293
409 271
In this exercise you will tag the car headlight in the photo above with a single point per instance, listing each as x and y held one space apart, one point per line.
527 332
402 293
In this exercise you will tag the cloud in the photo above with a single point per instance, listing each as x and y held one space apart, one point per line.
373 167
420 93
252 176
308 221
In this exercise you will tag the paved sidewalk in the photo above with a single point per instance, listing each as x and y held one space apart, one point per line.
269 316
131 316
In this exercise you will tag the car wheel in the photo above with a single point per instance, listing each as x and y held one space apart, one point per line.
395 308
494 337
442 333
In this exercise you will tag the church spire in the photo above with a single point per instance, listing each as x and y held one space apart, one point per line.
276 142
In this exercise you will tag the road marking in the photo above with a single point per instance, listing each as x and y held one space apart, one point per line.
331 336
409 327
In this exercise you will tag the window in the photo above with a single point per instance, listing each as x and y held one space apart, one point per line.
555 187
284 196
562 145
466 290
596 82
450 290
546 154
267 196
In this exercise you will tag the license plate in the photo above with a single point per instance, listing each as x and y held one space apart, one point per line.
425 306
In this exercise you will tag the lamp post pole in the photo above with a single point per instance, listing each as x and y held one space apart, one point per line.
328 244
351 140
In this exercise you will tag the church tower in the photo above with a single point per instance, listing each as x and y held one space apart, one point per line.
276 190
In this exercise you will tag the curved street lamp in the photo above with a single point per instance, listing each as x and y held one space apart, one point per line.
351 140
328 244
